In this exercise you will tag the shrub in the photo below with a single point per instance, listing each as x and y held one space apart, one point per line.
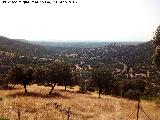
3 82
86 85
1 99
83 87
157 102
133 94
2 118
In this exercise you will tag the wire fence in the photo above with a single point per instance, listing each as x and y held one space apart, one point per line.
59 107
67 111
138 108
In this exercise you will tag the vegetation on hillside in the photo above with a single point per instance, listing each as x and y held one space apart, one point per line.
20 48
117 70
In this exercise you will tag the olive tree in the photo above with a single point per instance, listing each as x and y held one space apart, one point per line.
102 77
19 75
53 75
66 75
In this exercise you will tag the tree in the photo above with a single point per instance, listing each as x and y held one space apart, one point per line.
3 81
76 77
53 75
153 83
102 77
17 76
156 41
40 75
134 88
156 38
29 76
66 76
84 82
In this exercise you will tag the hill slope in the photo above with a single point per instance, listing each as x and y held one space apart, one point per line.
132 55
37 105
22 48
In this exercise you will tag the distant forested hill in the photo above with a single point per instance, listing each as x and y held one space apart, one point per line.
22 48
132 54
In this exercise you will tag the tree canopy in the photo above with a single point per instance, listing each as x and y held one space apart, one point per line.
156 41
102 78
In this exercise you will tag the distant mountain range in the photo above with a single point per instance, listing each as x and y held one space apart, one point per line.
80 44
70 44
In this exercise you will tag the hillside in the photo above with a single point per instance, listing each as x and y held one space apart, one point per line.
23 52
131 55
22 48
37 105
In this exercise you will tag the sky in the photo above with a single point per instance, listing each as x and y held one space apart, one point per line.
86 20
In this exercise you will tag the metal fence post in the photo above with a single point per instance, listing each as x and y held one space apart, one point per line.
138 108
18 114
68 115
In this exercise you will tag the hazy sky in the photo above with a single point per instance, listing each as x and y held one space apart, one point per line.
88 20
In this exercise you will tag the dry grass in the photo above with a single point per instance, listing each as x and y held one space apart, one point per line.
35 105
